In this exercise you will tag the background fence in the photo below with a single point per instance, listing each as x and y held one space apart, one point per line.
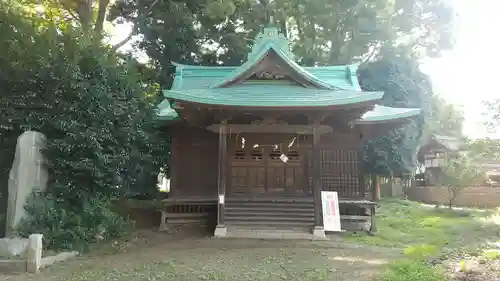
481 197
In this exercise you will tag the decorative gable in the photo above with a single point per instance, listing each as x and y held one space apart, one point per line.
271 61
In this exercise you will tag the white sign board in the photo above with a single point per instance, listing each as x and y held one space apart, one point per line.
331 213
284 158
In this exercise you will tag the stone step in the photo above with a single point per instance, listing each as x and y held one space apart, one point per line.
268 233
272 219
269 211
279 224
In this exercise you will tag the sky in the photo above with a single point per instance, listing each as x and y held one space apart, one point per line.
465 75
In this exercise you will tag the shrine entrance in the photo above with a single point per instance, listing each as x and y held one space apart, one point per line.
269 165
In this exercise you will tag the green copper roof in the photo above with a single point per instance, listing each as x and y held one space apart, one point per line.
383 113
332 85
166 112
254 95
269 40
265 49
377 114
197 77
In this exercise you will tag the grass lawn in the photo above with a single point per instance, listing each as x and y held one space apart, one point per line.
402 224
441 235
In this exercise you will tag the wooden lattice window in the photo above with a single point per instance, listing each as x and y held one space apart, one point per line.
239 155
256 154
293 155
340 172
275 155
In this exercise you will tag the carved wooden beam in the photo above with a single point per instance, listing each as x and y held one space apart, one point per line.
277 128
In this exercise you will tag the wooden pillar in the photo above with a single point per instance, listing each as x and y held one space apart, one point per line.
221 230
319 231
375 197
375 188
361 175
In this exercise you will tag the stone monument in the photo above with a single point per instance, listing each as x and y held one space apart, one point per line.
28 173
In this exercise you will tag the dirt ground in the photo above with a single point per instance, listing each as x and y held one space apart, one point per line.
158 256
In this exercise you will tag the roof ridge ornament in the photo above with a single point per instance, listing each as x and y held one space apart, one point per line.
270 34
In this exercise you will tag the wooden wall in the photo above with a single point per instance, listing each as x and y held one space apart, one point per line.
194 162
194 165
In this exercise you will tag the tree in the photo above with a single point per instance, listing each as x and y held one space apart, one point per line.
484 150
445 118
458 173
322 32
98 115
404 86
90 16
492 115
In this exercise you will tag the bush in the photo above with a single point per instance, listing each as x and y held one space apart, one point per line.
98 116
65 228
460 172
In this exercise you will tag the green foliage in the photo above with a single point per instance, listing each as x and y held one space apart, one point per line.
411 270
491 254
88 17
324 32
420 252
459 172
445 119
484 150
492 115
98 116
404 86
72 229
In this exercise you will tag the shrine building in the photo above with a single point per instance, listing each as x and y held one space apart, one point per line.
260 141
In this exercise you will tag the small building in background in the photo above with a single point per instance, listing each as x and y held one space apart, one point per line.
433 155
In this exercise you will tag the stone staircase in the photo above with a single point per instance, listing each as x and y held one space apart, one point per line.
283 218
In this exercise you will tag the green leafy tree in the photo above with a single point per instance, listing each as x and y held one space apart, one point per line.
492 115
404 86
445 118
484 150
90 17
98 115
322 32
459 172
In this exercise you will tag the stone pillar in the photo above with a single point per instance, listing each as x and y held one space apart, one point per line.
34 253
28 173
221 229
319 231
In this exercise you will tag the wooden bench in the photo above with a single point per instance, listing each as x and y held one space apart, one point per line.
187 210
367 205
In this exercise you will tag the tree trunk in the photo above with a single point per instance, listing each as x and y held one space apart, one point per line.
375 188
101 18
84 11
